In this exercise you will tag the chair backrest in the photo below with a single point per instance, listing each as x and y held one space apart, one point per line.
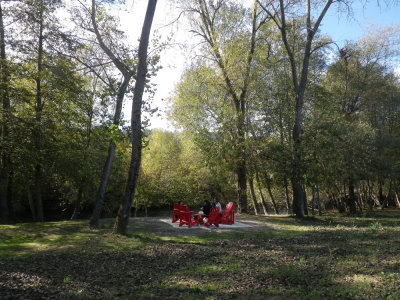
214 214
228 209
185 208
177 206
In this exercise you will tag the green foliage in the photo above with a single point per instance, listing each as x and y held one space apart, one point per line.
66 280
172 170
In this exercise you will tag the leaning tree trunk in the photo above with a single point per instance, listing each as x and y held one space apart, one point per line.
94 221
5 153
121 222
127 75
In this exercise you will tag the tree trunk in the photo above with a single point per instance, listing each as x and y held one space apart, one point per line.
381 197
397 199
127 75
241 169
37 130
299 87
303 188
263 203
242 186
121 222
30 200
94 220
5 153
386 201
352 197
298 200
313 200
319 201
271 195
253 194
38 194
77 208
288 206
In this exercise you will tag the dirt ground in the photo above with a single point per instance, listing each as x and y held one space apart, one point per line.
164 225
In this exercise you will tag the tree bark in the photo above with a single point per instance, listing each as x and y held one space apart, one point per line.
121 222
263 203
94 220
313 200
253 194
381 197
268 184
5 153
30 200
318 201
397 199
77 208
288 206
352 197
303 188
38 117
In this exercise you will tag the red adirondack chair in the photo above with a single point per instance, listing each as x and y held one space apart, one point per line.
175 213
185 216
213 217
228 214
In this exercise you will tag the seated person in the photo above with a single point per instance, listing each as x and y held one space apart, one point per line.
217 204
206 207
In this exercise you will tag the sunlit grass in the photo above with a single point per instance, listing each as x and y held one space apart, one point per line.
29 238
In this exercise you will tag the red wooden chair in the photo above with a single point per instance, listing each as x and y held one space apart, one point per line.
185 216
228 215
175 213
213 217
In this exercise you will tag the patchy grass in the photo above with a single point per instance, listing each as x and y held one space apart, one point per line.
328 257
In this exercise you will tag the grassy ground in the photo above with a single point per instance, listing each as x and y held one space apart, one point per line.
330 257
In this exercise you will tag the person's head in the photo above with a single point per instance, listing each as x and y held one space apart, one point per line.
215 200
206 202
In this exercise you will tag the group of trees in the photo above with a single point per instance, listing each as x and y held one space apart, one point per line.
280 102
271 113
65 71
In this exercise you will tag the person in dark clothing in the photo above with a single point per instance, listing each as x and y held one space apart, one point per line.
206 207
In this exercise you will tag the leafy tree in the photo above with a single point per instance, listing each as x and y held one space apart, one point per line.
283 15
122 219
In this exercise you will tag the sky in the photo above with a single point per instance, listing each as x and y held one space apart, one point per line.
339 26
